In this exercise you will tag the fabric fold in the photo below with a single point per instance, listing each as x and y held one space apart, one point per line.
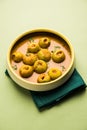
43 99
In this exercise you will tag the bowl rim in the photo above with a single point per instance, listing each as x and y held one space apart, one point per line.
41 30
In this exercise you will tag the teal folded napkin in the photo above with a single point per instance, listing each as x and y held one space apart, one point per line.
49 98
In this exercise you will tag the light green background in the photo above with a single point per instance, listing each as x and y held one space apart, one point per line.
17 109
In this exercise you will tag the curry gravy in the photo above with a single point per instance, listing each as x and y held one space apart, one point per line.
55 44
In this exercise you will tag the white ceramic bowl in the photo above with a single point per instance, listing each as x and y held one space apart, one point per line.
41 86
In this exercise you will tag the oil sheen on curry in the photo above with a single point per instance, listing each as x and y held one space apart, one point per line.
40 59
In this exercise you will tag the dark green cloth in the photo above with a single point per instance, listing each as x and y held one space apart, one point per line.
45 99
49 98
